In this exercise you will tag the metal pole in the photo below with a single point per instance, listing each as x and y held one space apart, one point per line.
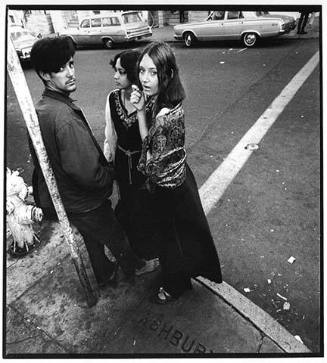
27 107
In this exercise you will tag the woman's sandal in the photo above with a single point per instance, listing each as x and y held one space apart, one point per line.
162 297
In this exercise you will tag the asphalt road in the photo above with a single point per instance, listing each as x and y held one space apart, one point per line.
271 211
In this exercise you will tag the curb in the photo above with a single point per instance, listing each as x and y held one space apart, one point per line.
258 317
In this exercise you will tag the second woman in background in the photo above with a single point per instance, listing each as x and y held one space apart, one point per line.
123 147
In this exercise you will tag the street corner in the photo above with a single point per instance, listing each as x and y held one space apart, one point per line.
253 126
186 327
55 319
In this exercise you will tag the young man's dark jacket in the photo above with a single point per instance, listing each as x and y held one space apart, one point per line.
82 173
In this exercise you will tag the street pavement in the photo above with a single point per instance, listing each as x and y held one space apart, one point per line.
46 311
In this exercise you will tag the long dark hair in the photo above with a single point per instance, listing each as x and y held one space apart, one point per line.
128 60
171 91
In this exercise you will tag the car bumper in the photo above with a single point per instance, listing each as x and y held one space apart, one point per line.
138 34
24 54
288 28
178 37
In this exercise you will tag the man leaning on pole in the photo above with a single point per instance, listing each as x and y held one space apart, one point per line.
82 173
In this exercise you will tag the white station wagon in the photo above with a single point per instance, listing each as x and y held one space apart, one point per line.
110 28
247 26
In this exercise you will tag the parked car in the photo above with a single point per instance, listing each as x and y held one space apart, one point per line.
23 40
247 26
115 27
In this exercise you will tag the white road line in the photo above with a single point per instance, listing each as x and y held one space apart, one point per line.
242 50
212 190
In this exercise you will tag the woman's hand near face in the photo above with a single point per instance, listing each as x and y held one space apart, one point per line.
138 101
137 98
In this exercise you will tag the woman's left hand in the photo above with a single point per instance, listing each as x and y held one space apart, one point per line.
137 98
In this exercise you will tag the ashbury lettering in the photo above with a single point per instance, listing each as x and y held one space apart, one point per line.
174 336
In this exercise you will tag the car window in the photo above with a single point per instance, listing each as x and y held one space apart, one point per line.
234 15
85 23
218 15
132 18
96 22
115 21
249 14
106 22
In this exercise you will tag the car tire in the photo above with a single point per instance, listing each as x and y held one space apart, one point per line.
249 39
108 43
189 39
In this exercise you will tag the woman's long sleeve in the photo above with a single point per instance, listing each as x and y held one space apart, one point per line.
110 142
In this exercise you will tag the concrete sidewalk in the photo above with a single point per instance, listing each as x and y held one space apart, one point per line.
47 314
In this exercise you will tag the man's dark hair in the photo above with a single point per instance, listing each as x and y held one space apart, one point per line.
49 54
128 60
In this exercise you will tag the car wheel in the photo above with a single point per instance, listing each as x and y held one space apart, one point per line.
250 39
108 43
189 39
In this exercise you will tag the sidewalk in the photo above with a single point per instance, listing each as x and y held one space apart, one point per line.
46 313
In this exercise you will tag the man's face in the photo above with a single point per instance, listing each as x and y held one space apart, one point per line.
64 80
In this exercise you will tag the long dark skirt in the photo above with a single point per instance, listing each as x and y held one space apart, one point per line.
186 245
135 212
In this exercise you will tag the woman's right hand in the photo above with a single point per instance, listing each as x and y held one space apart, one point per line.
137 98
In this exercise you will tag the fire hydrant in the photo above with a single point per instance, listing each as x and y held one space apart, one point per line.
20 215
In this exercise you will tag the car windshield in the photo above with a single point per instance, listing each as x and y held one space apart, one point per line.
21 35
132 18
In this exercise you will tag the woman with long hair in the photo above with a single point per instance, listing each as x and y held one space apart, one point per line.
122 147
186 246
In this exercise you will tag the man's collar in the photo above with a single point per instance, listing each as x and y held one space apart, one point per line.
60 97
57 95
